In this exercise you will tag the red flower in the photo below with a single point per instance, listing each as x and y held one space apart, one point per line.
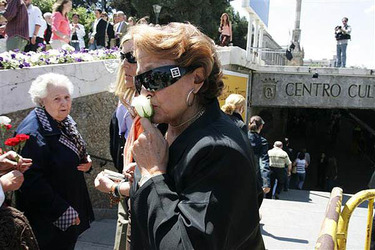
12 142
8 126
22 137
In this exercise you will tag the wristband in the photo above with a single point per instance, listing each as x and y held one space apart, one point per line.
113 188
116 192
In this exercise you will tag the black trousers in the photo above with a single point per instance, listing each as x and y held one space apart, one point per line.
278 174
33 47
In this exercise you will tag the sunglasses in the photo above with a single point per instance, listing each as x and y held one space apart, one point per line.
159 78
128 56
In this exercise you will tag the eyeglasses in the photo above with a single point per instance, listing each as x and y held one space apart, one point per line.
160 78
129 57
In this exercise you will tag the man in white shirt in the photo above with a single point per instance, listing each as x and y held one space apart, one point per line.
278 160
77 34
37 26
14 178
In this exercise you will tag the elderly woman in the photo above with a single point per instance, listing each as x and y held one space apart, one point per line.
119 130
234 107
54 195
196 187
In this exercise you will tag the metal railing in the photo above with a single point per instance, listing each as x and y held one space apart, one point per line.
334 230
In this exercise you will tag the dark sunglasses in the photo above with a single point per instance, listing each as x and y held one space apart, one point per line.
160 78
129 57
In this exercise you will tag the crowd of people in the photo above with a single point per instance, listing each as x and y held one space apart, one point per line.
24 27
176 193
181 178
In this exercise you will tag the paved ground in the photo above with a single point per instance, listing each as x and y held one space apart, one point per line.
293 222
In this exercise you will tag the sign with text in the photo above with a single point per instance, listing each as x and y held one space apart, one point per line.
326 91
234 83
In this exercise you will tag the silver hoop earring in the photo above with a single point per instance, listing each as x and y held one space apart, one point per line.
188 98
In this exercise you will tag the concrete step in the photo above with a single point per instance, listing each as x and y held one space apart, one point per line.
291 222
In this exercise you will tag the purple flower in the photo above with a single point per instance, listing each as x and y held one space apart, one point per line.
41 45
21 66
16 50
13 56
1 59
26 64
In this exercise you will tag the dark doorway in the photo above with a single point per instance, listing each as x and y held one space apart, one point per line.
344 136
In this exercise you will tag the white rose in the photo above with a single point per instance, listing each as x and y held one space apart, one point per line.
5 120
143 106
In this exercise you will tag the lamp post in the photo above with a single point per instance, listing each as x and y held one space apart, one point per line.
157 9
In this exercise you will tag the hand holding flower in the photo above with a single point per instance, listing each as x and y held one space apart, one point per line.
8 161
150 150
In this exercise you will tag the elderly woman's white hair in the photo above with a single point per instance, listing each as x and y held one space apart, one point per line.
39 87
47 14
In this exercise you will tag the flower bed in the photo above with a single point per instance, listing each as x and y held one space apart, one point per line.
19 60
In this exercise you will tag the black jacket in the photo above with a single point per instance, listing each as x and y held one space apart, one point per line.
100 33
52 184
237 119
208 197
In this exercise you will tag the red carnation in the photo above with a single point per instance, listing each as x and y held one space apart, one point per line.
8 126
22 137
12 142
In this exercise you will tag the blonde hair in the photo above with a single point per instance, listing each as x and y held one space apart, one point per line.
124 93
189 48
232 103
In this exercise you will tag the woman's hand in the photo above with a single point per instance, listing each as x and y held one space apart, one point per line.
150 150
8 161
128 171
103 183
11 181
77 221
84 167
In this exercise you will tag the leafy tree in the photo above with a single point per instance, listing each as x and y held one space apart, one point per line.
125 6
205 14
239 28
44 5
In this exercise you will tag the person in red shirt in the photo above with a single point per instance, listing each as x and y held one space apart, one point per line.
60 24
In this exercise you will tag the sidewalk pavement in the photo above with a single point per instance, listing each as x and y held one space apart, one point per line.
292 222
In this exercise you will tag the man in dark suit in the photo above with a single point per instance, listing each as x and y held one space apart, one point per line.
97 35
